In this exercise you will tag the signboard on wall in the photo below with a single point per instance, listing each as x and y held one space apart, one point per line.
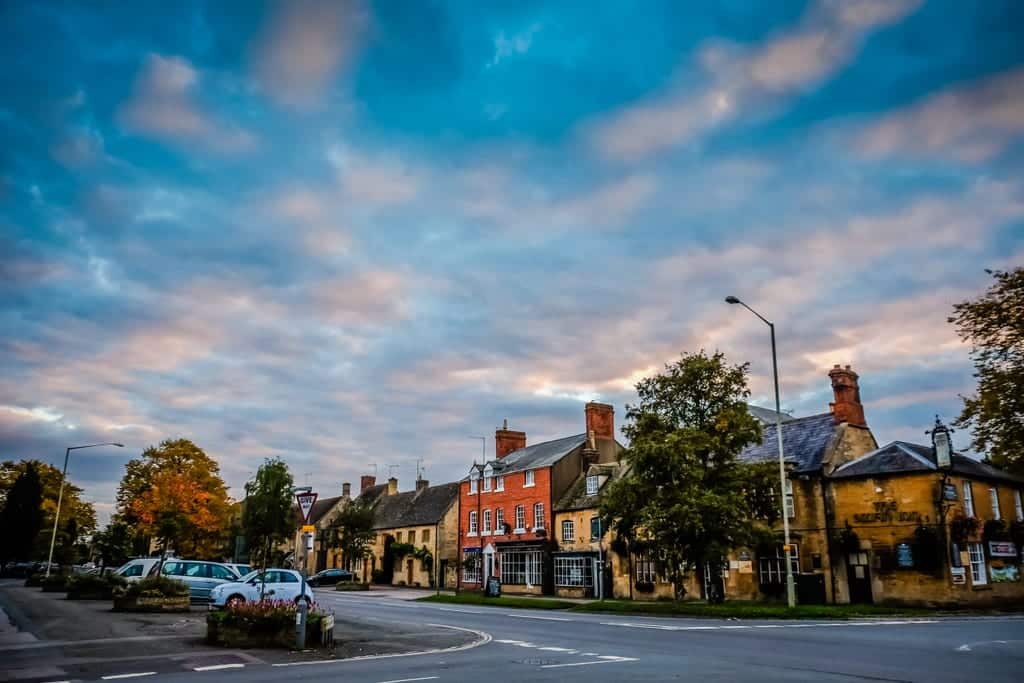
949 492
904 555
1002 549
959 575
1003 572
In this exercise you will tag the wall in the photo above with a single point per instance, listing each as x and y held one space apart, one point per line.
448 543
564 473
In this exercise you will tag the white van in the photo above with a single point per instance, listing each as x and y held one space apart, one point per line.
137 569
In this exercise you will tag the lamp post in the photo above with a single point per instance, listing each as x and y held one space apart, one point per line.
60 496
300 622
479 494
790 588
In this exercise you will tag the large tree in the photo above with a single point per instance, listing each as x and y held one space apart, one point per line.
685 499
994 326
72 505
268 512
351 532
113 545
174 493
21 516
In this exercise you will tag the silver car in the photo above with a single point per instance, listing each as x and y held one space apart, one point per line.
200 576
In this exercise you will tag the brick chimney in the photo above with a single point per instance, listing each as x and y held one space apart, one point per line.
421 484
346 490
847 406
506 441
365 482
600 420
392 486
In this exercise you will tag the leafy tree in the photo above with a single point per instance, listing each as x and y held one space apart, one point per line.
351 532
72 506
21 517
994 326
268 512
113 545
174 493
685 499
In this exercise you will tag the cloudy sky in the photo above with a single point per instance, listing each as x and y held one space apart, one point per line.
363 233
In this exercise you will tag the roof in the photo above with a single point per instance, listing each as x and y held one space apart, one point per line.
767 416
320 508
576 498
415 508
805 441
901 457
542 454
372 494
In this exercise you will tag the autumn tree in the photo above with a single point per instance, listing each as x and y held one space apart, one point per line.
686 499
268 512
351 532
72 507
994 326
21 516
174 494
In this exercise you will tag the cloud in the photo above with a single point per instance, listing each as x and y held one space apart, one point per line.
736 81
165 105
971 122
78 147
375 180
304 44
517 44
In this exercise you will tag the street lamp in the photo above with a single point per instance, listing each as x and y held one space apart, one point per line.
60 496
479 469
305 544
790 588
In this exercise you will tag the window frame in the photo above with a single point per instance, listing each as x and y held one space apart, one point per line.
529 479
425 536
543 522
472 524
473 481
487 479
593 485
978 566
1018 505
644 570
499 482
597 536
486 523
993 494
499 521
520 519
570 526
789 500
968 499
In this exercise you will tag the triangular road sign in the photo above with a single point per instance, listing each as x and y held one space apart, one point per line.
305 501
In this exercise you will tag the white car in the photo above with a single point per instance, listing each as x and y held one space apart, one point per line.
276 584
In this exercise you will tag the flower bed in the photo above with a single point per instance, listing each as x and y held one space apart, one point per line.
270 623
93 586
154 594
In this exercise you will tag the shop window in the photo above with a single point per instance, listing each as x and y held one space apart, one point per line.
574 572
772 571
471 567
522 567
979 576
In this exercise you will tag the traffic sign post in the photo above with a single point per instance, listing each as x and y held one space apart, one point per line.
305 498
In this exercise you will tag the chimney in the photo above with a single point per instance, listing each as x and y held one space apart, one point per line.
421 484
506 441
847 406
365 482
392 486
600 420
346 490
590 454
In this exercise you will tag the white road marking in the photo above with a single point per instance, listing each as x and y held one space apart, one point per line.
533 616
218 667
565 649
964 648
406 680
135 675
462 611
600 661
667 627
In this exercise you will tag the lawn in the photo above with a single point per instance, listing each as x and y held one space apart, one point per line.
504 601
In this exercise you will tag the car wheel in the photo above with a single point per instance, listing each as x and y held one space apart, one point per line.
234 601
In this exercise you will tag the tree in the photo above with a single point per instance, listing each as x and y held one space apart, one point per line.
21 517
684 500
174 493
268 516
994 326
72 506
351 532
113 545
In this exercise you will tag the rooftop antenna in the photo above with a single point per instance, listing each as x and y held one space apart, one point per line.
374 466
419 468
308 475
392 469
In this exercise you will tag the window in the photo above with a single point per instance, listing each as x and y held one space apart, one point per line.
522 567
472 523
487 479
398 537
568 531
528 478
645 572
790 503
993 495
575 572
977 555
133 570
499 521
472 483
520 518
425 536
771 569
538 516
499 483
1018 508
595 528
195 569
487 521
968 500
592 485
471 567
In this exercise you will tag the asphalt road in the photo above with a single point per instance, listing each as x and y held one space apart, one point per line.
518 645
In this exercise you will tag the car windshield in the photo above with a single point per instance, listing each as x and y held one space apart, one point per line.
249 576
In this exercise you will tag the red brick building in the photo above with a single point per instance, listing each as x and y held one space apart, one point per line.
506 505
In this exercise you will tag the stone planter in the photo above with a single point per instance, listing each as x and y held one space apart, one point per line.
89 595
152 604
351 586
259 635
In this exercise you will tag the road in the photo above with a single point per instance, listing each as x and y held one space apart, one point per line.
518 645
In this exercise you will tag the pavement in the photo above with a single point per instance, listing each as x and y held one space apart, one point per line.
499 644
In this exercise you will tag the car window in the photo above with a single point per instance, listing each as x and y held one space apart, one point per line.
195 569
223 573
256 577
133 570
286 577
174 568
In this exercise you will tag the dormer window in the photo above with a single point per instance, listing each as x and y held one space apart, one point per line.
473 479
487 478
592 485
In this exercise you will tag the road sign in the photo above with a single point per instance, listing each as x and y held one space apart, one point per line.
305 501
308 529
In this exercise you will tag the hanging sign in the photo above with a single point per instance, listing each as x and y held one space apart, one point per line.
959 575
305 501
1002 549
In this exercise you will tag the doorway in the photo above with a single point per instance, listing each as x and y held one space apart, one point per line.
408 573
858 574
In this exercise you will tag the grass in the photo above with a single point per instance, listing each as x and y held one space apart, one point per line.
746 610
503 601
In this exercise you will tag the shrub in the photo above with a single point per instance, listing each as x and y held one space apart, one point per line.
34 580
54 583
351 586
266 623
93 586
153 587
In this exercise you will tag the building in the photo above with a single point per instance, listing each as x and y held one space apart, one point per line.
507 504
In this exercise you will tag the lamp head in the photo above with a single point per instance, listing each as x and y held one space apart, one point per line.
119 445
731 300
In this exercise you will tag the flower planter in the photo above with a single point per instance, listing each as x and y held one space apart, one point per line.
89 595
144 603
259 635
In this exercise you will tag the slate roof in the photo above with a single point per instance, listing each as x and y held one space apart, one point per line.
576 498
538 455
415 508
804 442
767 416
320 508
901 457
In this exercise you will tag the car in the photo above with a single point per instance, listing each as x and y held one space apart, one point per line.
137 569
329 577
200 576
272 584
240 569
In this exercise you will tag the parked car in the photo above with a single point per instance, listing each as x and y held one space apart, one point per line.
134 570
329 577
276 584
201 577
240 569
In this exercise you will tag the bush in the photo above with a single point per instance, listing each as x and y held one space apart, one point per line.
34 580
270 623
153 587
54 583
94 586
351 586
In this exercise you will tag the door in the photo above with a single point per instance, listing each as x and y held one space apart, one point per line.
408 572
858 573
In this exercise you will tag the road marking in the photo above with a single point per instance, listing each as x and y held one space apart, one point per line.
532 616
406 680
564 649
463 611
667 627
964 648
616 660
218 667
135 675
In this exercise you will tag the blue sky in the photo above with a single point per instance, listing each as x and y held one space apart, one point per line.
358 233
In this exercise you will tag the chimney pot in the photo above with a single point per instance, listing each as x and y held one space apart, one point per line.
365 482
847 406
392 486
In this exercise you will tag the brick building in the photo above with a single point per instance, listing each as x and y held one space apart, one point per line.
507 504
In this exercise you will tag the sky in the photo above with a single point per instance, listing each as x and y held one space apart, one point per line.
356 235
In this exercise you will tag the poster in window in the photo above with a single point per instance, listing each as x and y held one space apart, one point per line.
904 555
959 575
1004 572
1002 549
